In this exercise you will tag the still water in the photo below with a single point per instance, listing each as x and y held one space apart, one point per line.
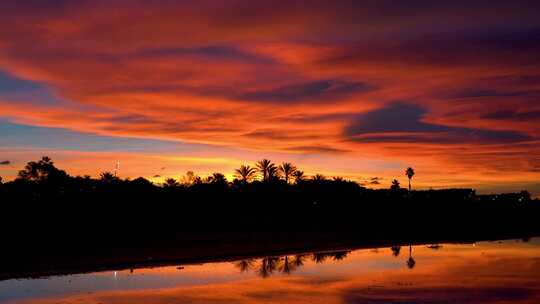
485 272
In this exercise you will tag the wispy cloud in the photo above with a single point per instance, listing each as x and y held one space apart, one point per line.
285 78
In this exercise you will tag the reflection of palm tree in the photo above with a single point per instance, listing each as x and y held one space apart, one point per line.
340 255
267 266
244 265
286 266
410 173
267 169
263 269
319 257
245 173
410 261
299 260
272 263
396 250
287 169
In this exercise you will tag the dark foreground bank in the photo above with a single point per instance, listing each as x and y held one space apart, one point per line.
129 229
54 223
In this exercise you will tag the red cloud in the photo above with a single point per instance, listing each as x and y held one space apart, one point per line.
286 76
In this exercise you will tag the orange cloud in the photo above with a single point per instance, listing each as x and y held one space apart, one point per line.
293 79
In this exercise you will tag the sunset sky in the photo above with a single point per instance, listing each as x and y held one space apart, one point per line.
360 89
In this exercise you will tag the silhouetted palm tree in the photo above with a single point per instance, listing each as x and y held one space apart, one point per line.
108 177
287 169
267 169
395 185
170 183
410 261
189 178
409 173
245 173
298 176
41 171
318 178
395 250
217 179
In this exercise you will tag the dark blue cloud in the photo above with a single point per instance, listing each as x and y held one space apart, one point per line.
218 52
277 135
321 90
513 115
316 149
319 118
404 123
11 84
395 118
478 93
14 88
486 46
23 136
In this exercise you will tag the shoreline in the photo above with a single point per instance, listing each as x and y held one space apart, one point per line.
169 254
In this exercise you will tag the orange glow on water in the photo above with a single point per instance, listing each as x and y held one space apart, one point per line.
483 273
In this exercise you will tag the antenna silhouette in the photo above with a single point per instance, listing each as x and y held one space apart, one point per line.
116 168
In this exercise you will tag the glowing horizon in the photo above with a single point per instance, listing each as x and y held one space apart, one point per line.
356 89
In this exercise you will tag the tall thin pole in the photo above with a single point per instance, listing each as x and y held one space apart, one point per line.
116 168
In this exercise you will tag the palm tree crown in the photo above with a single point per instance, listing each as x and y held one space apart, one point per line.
395 185
298 176
267 169
108 177
217 178
287 169
245 173
170 183
409 173
319 178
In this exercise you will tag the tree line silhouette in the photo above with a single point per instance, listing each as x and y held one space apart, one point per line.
43 180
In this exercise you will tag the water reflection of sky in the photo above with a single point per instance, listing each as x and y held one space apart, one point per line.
507 272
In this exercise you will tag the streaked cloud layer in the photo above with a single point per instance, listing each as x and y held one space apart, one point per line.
451 87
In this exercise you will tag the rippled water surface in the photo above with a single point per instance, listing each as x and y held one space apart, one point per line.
487 272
